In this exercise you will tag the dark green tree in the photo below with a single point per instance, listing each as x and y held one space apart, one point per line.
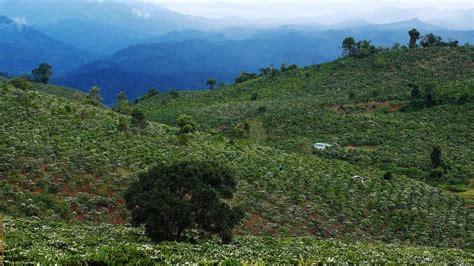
414 36
430 96
415 91
211 83
388 176
285 68
152 92
174 93
170 200
138 119
436 157
254 96
452 43
431 40
365 48
349 46
42 73
245 76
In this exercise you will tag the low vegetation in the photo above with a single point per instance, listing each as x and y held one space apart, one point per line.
64 243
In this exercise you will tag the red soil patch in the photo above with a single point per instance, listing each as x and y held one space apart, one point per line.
118 221
79 217
253 220
335 108
393 107
369 107
38 191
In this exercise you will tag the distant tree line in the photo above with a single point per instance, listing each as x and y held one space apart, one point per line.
270 71
352 48
429 40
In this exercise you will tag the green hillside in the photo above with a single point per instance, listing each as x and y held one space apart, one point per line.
364 105
64 165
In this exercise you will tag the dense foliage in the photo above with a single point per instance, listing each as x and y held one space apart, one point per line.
171 200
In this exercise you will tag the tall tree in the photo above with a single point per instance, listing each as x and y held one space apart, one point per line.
42 73
170 200
436 157
414 36
349 46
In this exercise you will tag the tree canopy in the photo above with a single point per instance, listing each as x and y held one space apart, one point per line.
172 199
42 73
361 48
414 36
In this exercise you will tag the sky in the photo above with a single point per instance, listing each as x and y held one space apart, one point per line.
262 9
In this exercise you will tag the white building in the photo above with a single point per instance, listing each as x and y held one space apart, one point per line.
322 146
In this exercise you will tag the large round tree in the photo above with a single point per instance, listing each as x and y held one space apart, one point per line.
170 199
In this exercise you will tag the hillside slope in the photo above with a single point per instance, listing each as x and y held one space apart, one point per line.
361 104
67 160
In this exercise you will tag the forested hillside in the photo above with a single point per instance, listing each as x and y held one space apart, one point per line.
364 106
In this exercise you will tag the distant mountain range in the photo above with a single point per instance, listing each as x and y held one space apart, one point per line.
185 60
135 46
190 62
22 48
99 27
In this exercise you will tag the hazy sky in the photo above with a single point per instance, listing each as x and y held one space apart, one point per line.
255 9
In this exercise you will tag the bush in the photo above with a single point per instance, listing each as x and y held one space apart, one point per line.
138 119
388 176
21 83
